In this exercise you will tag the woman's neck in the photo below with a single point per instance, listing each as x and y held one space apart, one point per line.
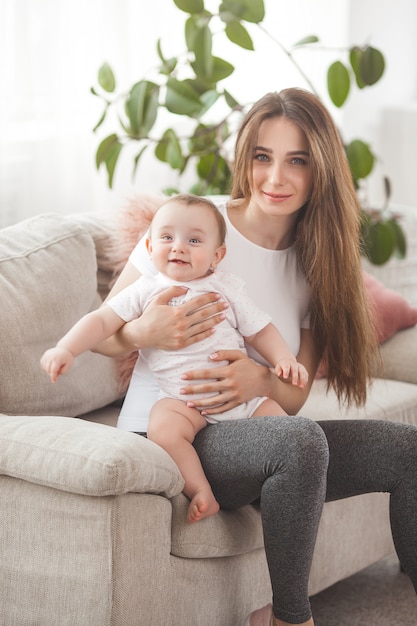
270 232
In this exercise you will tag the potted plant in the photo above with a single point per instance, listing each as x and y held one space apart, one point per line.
204 85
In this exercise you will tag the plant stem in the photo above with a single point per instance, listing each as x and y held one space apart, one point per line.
291 58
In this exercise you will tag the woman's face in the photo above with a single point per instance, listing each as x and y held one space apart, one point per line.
281 174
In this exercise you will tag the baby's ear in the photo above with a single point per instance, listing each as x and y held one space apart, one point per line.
148 244
219 255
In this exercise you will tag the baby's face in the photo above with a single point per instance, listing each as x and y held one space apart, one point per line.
184 243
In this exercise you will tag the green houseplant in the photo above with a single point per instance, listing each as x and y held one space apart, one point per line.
189 85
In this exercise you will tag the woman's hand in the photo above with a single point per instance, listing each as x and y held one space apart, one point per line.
242 379
239 381
175 327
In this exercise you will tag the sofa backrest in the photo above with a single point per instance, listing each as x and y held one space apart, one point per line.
48 279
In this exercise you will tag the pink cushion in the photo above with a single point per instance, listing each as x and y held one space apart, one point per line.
392 312
133 224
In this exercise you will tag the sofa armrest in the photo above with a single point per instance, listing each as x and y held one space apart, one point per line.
73 455
399 357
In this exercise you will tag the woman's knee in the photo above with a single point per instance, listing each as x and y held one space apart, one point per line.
292 445
309 445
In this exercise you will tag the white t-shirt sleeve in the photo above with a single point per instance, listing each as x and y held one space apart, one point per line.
127 302
250 318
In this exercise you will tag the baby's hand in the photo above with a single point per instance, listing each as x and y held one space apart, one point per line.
56 361
292 371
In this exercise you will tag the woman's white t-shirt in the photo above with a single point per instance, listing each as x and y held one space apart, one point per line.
272 279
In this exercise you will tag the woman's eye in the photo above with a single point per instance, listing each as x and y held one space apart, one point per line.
261 157
298 161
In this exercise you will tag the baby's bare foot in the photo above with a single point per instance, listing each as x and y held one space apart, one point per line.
202 505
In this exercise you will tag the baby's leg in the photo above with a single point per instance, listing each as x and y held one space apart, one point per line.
268 408
173 426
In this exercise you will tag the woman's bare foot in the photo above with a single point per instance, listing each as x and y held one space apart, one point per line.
203 504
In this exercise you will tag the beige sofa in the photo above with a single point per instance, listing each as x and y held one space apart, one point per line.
92 519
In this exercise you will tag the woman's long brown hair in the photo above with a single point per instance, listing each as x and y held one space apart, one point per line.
327 239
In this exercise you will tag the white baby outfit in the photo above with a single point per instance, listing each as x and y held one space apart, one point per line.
243 317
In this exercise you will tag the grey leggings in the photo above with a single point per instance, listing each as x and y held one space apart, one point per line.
293 465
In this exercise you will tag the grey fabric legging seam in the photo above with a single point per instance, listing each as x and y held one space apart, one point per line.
293 465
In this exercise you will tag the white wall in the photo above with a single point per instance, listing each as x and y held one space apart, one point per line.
386 114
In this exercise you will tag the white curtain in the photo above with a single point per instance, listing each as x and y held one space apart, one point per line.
50 52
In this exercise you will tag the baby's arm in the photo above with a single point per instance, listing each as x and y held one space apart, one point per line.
84 335
271 345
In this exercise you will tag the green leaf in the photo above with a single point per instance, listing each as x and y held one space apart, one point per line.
191 31
221 70
104 148
379 242
248 10
371 65
108 153
361 159
208 98
101 120
168 150
239 35
142 107
170 191
190 6
161 149
193 26
174 153
355 57
168 65
400 240
202 45
306 40
137 159
230 100
181 98
214 173
106 78
203 140
387 188
338 83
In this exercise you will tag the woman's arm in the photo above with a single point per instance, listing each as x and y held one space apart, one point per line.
243 380
162 326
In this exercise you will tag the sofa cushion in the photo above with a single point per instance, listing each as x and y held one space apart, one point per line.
83 457
388 400
399 357
229 533
47 281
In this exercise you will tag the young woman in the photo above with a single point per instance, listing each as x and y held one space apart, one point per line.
293 228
